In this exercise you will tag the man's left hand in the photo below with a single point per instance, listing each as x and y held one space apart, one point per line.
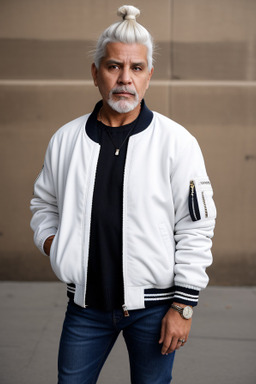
174 329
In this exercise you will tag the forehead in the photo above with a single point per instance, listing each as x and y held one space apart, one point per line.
135 53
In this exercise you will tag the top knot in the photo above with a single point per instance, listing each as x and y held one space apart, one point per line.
128 12
126 31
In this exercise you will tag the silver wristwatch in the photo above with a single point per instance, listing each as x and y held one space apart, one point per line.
185 312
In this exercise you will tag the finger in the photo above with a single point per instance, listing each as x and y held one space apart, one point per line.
182 344
165 348
166 345
179 344
173 345
162 333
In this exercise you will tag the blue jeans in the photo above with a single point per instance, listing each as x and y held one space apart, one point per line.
89 334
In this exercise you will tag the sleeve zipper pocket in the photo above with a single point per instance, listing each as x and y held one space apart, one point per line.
193 203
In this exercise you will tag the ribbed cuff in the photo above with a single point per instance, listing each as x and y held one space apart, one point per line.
186 296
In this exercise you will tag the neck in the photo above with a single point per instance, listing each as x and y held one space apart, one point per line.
114 119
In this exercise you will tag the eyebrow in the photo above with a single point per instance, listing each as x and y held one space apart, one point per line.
111 61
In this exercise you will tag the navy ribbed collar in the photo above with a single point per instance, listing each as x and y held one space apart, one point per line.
144 119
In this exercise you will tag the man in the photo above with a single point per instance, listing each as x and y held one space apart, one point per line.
124 208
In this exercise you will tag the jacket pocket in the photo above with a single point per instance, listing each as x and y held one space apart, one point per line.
193 202
201 204
53 249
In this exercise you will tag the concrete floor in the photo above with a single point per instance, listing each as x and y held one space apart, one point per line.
221 349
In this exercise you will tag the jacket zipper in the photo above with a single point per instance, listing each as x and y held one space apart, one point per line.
124 307
193 203
89 235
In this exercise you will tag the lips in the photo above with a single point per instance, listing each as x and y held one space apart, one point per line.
123 92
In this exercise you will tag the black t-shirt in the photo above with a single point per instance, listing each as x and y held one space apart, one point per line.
105 271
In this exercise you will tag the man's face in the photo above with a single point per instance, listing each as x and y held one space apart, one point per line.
123 76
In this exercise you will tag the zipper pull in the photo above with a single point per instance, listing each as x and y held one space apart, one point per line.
125 311
192 187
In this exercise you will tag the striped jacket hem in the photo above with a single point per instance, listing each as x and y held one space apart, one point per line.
154 296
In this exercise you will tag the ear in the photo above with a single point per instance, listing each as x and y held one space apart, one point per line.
151 73
94 72
149 76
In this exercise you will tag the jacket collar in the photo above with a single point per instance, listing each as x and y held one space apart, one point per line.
144 119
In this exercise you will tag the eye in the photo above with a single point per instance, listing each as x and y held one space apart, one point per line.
113 67
137 68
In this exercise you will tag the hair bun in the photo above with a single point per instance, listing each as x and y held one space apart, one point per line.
128 12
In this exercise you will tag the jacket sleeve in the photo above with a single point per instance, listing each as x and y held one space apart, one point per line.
44 205
195 215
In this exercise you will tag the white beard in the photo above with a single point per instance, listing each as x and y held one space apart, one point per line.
123 105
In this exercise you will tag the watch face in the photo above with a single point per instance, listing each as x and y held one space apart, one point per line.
187 312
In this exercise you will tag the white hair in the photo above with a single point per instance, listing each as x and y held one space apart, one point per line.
127 31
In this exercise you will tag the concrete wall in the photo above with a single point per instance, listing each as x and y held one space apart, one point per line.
204 79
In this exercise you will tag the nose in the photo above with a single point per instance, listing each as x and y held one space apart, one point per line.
124 76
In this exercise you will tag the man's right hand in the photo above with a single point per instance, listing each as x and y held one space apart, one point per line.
47 245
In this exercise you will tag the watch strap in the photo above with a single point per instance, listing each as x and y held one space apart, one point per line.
177 308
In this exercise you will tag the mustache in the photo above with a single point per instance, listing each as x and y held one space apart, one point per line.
123 89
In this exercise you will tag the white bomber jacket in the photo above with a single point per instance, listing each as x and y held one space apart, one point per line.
168 210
